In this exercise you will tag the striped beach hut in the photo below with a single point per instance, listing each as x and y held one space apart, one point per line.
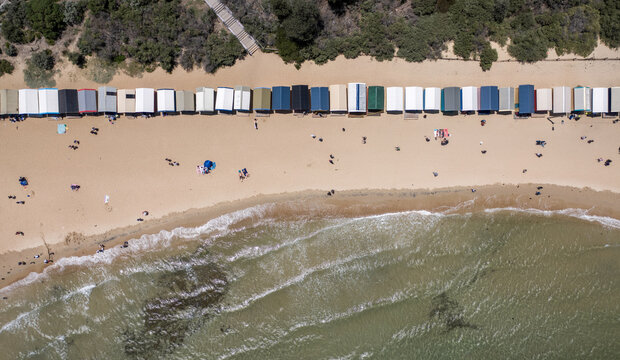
525 99
414 98
28 102
300 98
87 101
262 99
469 99
106 96
544 100
224 99
319 99
242 99
126 101
614 100
9 102
561 100
185 101
48 101
357 98
205 100
506 99
281 98
376 98
582 99
600 100
166 101
488 99
145 100
451 99
395 100
338 98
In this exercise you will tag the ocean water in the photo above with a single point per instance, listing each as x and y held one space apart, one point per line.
502 283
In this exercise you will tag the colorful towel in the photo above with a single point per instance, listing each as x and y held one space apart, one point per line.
62 128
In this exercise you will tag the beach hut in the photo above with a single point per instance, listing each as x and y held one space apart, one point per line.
205 100
319 99
395 101
526 99
469 99
544 100
414 98
451 99
242 99
28 102
224 100
68 102
614 100
9 103
376 98
506 99
185 103
281 98
300 98
582 99
488 99
106 96
600 100
48 101
87 101
561 100
262 99
432 99
357 98
126 101
338 98
145 100
165 101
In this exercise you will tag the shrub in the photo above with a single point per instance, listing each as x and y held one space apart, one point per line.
488 55
76 58
74 12
13 24
610 26
39 71
46 17
6 67
303 23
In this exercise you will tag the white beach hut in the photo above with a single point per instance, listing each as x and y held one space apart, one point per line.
414 98
242 98
469 98
166 100
205 99
561 100
614 100
224 99
338 98
582 99
506 99
600 100
432 99
394 99
48 101
544 100
357 98
28 102
145 100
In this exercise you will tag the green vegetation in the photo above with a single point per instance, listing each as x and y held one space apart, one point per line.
10 49
6 67
39 71
46 17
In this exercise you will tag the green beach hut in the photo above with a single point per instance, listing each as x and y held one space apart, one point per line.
376 98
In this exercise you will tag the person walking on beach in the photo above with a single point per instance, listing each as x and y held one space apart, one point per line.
255 124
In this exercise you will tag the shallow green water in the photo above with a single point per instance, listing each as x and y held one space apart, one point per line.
497 284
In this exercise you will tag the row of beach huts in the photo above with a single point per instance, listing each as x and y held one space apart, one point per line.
354 98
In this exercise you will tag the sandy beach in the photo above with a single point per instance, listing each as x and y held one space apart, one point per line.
126 160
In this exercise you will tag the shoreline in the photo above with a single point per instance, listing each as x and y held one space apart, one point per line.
350 203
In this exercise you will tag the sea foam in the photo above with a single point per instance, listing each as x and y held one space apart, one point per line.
572 212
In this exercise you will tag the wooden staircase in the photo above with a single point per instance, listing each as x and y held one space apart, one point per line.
234 26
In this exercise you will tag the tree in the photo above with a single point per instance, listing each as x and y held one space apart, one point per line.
488 55
304 22
46 17
10 49
13 25
610 26
6 67
423 7
74 12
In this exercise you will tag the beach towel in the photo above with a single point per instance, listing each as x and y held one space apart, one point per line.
62 128
446 132
106 199
435 133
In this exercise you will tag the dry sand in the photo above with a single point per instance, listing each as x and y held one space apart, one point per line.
126 160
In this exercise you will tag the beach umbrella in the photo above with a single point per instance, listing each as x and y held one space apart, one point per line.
208 164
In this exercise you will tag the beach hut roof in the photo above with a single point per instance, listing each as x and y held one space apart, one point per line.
281 98
300 98
582 98
544 100
68 102
469 98
506 99
145 100
165 100
185 101
561 100
376 98
394 99
126 101
414 98
526 99
338 98
357 97
87 100
262 99
9 103
242 98
224 99
600 100
319 97
48 101
488 99
432 98
106 96
451 99
28 101
614 100
205 99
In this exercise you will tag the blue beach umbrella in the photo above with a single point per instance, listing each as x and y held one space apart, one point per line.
209 164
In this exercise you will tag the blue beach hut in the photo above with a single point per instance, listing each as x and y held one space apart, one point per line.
526 98
281 98
319 99
489 98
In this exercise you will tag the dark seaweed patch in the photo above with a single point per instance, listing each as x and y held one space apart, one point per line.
449 312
